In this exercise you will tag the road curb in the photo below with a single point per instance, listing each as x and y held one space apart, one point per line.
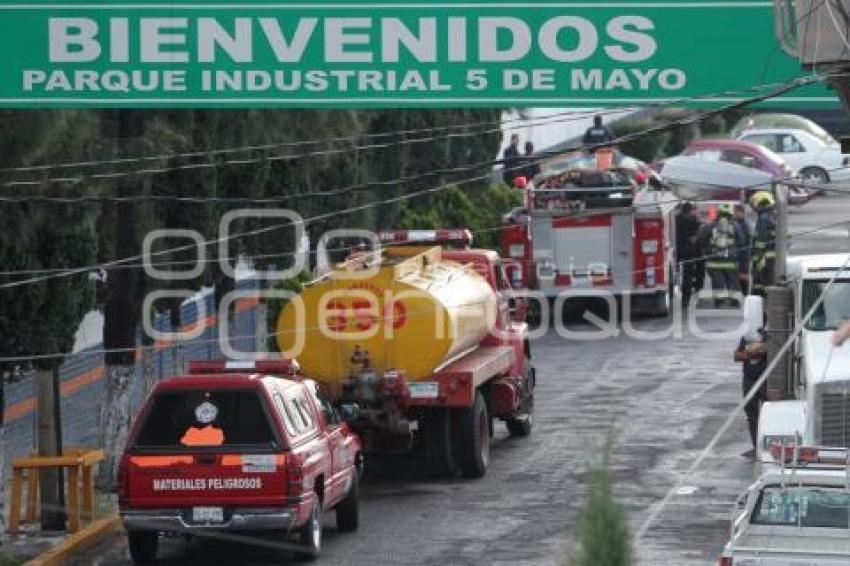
86 537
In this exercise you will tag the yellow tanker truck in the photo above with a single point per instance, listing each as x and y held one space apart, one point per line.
416 346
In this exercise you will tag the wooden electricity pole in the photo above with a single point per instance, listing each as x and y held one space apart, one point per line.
49 444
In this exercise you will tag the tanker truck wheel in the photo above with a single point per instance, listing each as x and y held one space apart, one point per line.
438 443
472 435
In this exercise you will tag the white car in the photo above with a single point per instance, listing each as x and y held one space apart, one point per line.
816 160
797 513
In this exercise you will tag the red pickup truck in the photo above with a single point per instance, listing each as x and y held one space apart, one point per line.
237 447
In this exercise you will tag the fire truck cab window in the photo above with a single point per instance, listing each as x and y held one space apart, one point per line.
225 418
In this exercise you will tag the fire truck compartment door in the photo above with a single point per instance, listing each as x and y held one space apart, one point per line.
580 247
622 262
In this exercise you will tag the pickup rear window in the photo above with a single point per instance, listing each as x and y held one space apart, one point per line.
187 419
804 507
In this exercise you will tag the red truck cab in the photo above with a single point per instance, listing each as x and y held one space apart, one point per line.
237 447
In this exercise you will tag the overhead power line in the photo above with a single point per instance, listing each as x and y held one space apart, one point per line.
560 117
787 87
153 170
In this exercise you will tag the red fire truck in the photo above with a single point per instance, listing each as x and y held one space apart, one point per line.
600 225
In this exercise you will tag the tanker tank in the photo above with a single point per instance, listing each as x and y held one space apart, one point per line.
413 313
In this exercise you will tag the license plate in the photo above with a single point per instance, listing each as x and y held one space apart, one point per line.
424 389
207 515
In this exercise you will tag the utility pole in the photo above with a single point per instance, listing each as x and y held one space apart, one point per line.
782 242
50 483
779 305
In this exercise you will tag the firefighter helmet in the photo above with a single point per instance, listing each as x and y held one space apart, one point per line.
725 209
762 198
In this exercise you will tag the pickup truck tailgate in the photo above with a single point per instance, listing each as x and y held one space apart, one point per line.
199 446
179 480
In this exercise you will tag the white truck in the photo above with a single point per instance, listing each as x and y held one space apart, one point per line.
819 411
794 514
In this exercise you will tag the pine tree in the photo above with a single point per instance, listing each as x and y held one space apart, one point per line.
603 529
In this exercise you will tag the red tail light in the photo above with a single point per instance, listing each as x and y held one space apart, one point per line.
726 561
294 476
123 481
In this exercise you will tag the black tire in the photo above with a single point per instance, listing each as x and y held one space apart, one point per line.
472 434
520 427
438 443
143 546
348 510
814 176
661 304
310 534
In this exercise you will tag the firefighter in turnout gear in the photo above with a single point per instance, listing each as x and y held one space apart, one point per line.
720 241
764 242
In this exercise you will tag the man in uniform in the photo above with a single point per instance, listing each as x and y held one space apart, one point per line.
598 133
721 240
753 356
687 229
744 250
764 242
511 161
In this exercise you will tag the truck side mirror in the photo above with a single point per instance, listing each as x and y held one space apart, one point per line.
753 317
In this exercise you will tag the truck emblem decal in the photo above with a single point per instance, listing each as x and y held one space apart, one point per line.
206 412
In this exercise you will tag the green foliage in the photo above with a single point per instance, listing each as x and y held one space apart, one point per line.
671 142
646 148
275 305
41 317
603 529
453 207
7 560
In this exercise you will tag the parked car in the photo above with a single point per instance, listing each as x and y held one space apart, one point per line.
748 155
797 512
772 120
236 448
817 162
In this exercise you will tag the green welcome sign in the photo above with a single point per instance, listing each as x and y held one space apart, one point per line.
367 53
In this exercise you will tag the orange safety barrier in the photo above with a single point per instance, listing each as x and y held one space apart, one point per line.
79 464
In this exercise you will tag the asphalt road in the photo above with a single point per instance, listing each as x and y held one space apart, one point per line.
663 399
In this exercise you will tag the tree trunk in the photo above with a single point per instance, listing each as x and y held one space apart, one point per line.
114 421
125 294
50 488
